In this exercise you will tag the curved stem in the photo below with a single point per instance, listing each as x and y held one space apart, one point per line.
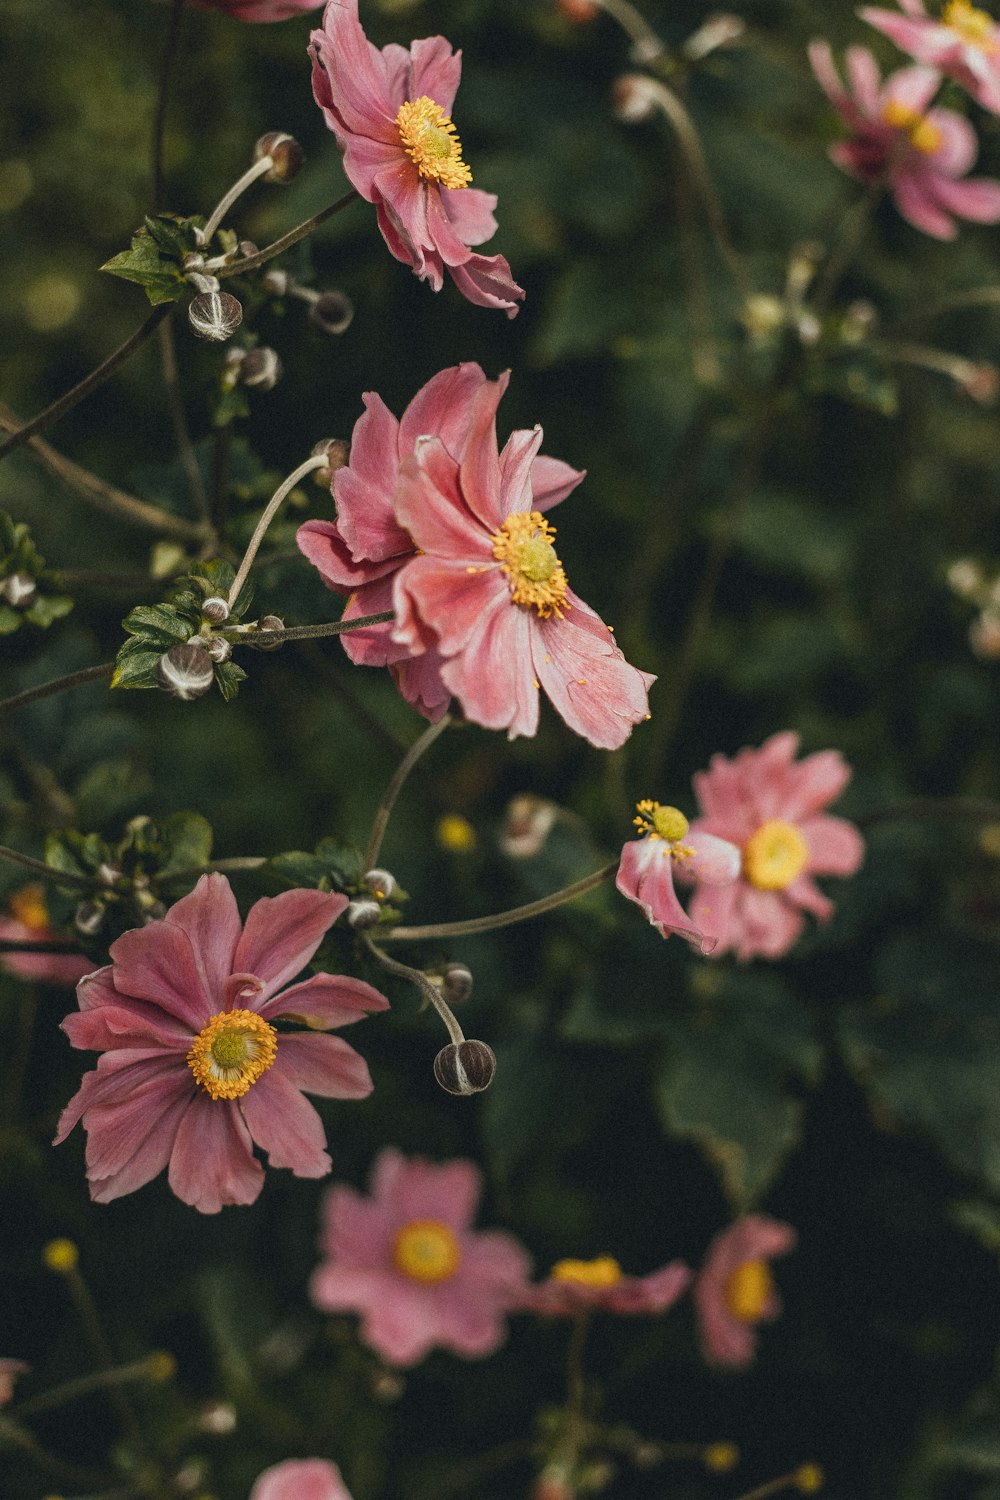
381 820
178 418
502 918
980 296
57 685
429 990
167 59
239 187
316 461
646 45
48 872
313 632
59 1395
240 267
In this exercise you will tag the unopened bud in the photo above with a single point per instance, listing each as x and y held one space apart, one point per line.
215 610
965 577
465 1067
632 98
805 259
982 383
218 1417
332 312
268 622
720 30
527 822
19 590
380 883
338 456
108 874
763 314
577 11
808 328
387 1386
456 983
219 649
215 316
261 370
275 283
285 152
859 320
88 918
363 914
245 249
719 1458
984 636
186 670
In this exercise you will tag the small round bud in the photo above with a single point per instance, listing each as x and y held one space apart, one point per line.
285 152
632 98
456 983
981 382
186 670
527 823
380 883
859 320
88 918
218 1418
261 370
20 590
363 914
465 1067
245 249
161 1367
965 576
719 1458
719 30
808 328
577 11
809 1478
215 316
275 283
455 833
338 456
108 874
387 1386
61 1255
215 610
332 312
218 648
763 315
268 622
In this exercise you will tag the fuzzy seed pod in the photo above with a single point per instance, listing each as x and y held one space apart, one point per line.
332 312
215 316
186 670
218 648
380 883
363 914
465 1067
215 610
456 983
261 370
284 151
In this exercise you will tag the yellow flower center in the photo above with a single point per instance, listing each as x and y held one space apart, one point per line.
523 548
604 1271
431 142
972 25
28 906
231 1053
748 1291
923 133
666 823
775 856
426 1250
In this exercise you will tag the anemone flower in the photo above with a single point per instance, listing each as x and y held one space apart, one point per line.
579 1286
734 1290
646 872
301 1479
964 43
27 921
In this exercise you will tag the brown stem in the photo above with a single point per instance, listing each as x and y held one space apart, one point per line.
57 685
48 872
502 918
381 820
313 632
241 267
427 988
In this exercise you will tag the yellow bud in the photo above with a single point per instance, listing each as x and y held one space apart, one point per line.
455 833
809 1478
61 1256
719 1458
161 1366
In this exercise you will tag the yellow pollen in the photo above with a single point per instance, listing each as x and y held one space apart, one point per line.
604 1271
666 823
775 855
232 1052
749 1290
523 548
431 142
924 134
426 1250
28 906
972 25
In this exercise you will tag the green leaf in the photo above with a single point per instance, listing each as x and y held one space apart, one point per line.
229 676
136 667
147 265
158 624
334 866
187 840
47 608
10 619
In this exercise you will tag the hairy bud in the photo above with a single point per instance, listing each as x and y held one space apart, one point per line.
215 316
268 622
215 610
275 283
332 312
456 983
19 590
284 151
380 883
218 648
338 456
186 671
261 369
465 1067
363 914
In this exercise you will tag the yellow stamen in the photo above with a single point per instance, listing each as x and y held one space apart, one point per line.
426 1250
431 142
924 134
972 25
775 855
28 906
523 548
604 1271
232 1052
666 823
749 1290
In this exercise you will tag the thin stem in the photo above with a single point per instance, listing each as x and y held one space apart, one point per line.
384 810
221 450
61 1395
980 296
503 918
37 867
57 685
178 418
241 267
773 1486
646 45
225 866
313 632
90 382
427 988
315 461
87 1312
854 226
237 190
167 59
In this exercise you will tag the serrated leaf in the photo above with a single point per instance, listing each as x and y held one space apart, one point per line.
159 624
229 676
136 667
145 264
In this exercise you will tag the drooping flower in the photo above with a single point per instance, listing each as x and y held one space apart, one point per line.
964 43
260 10
10 1369
301 1479
734 1290
362 551
407 1259
28 921
194 1071
770 806
390 110
646 872
897 141
578 1286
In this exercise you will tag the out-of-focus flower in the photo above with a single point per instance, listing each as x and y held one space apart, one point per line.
455 833
301 1479
770 806
646 872
260 10
964 44
407 1259
362 551
527 822
194 1072
390 110
734 1290
896 141
10 1369
984 635
578 1286
27 921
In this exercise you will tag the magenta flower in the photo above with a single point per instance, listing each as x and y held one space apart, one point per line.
646 872
771 808
194 1071
579 1286
362 551
10 1369
734 1290
28 922
390 110
407 1260
260 10
964 44
301 1479
897 142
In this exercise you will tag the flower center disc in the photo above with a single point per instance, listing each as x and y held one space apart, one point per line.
971 24
604 1271
231 1053
426 1250
749 1290
431 142
923 133
523 548
666 823
775 856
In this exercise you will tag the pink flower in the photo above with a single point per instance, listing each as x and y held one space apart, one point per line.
578 1286
407 1260
260 10
390 110
10 1369
362 551
734 1290
964 44
28 922
301 1479
194 1073
771 807
646 872
898 142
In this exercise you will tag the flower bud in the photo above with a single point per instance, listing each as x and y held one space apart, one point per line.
218 1418
89 918
717 30
284 151
245 249
108 874
465 1067
275 283
965 577
632 98
338 455
186 670
456 983
363 914
268 622
19 590
380 883
981 382
215 610
215 316
261 370
332 312
984 636
577 11
218 648
859 320
527 823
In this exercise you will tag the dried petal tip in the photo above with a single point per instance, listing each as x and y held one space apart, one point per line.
332 312
19 590
338 456
363 914
215 610
261 369
215 316
186 670
456 983
381 884
465 1067
285 152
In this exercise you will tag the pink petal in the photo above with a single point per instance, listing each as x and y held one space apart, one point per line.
125 1022
486 280
470 214
958 147
715 861
357 1231
117 1077
147 1162
443 408
284 1124
283 932
404 1324
767 924
449 599
866 80
468 1323
116 1131
325 1001
419 680
804 892
324 1065
357 73
365 159
645 876
492 677
480 467
301 1479
552 481
435 71
835 846
211 920
418 1189
714 913
212 1163
495 1262
373 646
829 80
808 786
517 467
157 963
586 677
340 1288
322 543
649 1294
363 490
977 199
913 88
431 505
914 198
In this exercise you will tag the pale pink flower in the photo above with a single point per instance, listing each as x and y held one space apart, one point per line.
407 1259
770 806
734 1290
260 10
579 1286
898 142
194 1073
361 552
301 1479
27 921
390 110
646 872
10 1369
964 44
